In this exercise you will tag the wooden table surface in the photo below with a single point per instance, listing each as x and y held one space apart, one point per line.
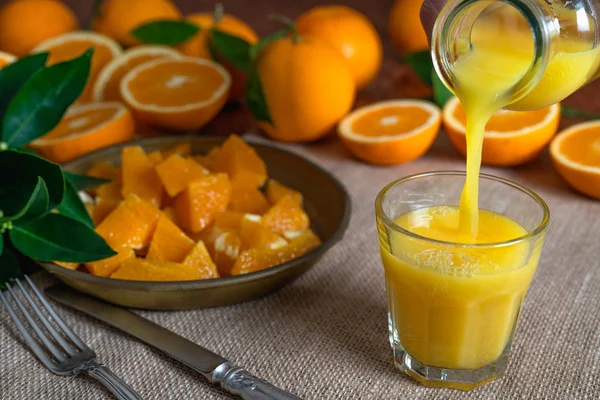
395 80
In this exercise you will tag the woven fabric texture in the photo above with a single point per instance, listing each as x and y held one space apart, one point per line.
325 336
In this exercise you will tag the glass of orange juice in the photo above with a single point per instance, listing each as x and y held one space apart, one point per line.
454 298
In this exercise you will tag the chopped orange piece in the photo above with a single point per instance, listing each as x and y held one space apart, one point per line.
156 157
68 265
107 266
108 198
103 208
197 206
229 220
286 216
137 269
169 243
240 161
247 198
257 236
276 191
225 250
169 213
131 224
139 176
176 173
210 159
200 258
105 170
181 149
258 259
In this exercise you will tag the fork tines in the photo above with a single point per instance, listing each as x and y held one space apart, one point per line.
52 340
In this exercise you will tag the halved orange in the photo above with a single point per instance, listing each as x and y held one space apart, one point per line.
73 44
575 153
6 58
179 94
391 132
511 137
106 87
85 128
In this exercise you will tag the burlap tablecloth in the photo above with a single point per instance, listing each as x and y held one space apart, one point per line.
325 336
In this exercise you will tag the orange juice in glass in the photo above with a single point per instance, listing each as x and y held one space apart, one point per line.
453 298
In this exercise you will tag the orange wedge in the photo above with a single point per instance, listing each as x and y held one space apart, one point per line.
511 137
179 94
71 45
6 58
391 132
106 87
575 153
85 128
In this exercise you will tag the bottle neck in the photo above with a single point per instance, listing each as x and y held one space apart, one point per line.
451 39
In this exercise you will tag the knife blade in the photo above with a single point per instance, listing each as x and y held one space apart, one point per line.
217 369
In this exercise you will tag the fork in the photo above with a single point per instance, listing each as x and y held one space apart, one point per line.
65 358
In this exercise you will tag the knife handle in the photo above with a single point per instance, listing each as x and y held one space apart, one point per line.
240 382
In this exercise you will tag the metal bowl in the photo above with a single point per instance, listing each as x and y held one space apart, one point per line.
326 202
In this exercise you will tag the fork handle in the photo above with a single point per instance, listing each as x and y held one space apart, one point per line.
117 387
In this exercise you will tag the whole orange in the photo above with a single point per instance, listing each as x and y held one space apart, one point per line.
350 33
117 18
26 23
308 88
198 45
405 29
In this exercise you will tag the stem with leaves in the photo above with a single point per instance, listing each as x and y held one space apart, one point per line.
41 214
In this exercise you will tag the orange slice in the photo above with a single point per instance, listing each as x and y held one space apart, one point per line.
86 128
200 258
575 153
391 132
137 269
6 58
73 44
131 224
139 176
285 217
276 191
176 173
107 266
197 206
511 137
180 94
169 243
253 260
106 87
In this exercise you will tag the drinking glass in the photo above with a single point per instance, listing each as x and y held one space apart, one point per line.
453 307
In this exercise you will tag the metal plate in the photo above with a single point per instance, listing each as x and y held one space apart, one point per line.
325 200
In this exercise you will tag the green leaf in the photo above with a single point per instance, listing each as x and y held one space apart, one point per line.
19 167
441 94
15 199
255 97
14 76
233 48
1 243
26 199
39 202
420 62
59 238
73 207
40 104
574 113
256 49
9 267
167 32
83 182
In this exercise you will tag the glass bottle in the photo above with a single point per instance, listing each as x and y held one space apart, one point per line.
557 40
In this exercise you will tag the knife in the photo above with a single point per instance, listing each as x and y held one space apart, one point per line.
218 370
